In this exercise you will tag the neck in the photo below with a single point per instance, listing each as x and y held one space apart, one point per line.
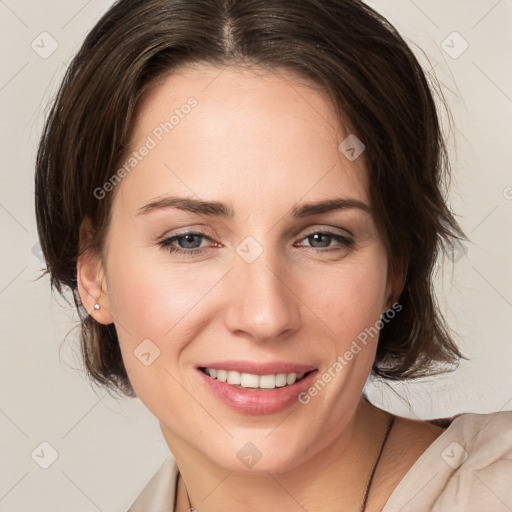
335 478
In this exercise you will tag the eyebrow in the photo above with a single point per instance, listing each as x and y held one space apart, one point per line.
218 209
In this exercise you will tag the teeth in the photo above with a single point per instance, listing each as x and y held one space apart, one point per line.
280 380
268 381
234 378
249 380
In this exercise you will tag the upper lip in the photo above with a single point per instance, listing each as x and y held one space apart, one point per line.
257 368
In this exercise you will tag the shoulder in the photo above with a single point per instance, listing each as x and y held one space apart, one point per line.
159 493
486 436
467 468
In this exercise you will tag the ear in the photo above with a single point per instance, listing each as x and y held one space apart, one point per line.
91 280
395 286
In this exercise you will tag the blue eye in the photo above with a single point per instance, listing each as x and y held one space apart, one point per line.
189 244
322 237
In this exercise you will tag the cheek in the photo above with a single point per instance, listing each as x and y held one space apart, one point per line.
158 308
352 298
149 307
147 296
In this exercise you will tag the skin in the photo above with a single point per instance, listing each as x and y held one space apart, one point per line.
262 143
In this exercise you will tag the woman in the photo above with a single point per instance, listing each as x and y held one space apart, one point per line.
245 200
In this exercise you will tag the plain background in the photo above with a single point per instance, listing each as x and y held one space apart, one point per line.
105 450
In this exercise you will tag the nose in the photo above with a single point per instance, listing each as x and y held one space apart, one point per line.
262 304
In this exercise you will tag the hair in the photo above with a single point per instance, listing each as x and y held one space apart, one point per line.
352 52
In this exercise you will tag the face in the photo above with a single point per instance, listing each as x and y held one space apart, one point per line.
259 282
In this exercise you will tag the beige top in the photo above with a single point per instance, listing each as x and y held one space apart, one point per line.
468 468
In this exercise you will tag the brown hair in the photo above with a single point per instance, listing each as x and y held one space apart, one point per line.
371 75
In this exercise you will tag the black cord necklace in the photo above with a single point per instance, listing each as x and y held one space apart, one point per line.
368 485
370 480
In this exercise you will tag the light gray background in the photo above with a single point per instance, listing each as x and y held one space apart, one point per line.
107 449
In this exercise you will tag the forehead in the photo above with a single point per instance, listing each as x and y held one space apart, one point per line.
252 134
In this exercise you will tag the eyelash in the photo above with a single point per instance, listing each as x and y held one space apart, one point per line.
167 243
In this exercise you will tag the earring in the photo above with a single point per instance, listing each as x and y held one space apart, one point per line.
96 306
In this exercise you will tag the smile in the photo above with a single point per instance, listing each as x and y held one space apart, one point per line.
256 388
253 381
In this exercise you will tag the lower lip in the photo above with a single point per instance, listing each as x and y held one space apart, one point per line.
257 401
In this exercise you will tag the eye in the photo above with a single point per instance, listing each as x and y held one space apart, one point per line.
322 240
186 244
190 243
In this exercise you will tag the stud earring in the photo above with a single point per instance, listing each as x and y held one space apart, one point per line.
96 306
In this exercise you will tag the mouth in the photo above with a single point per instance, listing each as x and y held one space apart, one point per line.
256 388
243 380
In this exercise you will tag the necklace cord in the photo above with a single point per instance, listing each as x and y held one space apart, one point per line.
370 480
368 485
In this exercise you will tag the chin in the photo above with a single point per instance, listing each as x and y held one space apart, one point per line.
257 454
